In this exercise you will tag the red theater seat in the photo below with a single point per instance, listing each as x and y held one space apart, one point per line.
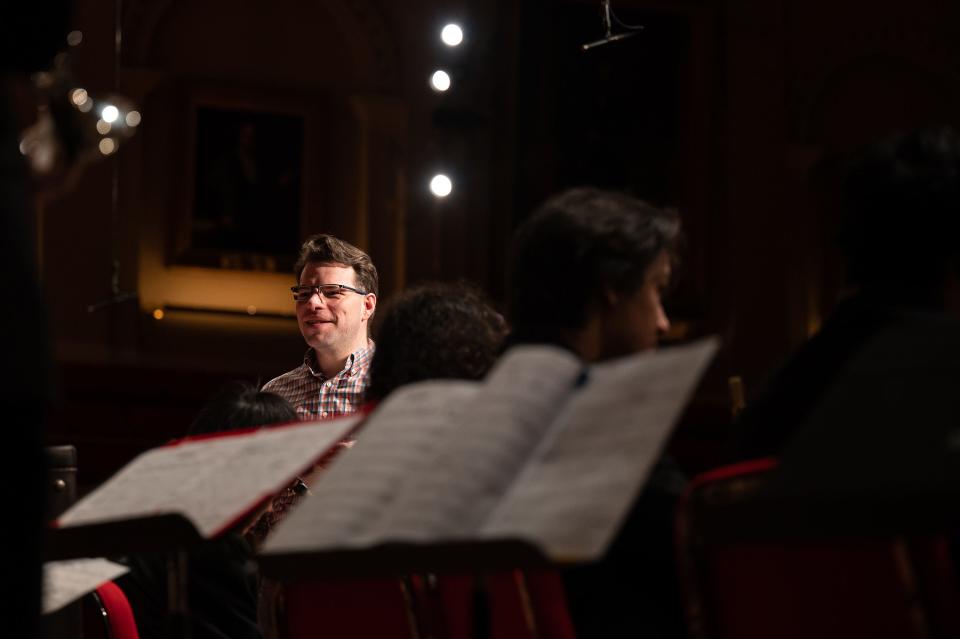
825 588
108 615
519 605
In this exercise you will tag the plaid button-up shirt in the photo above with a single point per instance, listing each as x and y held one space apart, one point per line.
316 397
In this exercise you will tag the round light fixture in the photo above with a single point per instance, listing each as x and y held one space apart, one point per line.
440 185
110 113
451 34
440 81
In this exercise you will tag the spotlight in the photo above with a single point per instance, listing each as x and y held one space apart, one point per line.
107 146
452 35
440 185
110 114
440 81
56 147
79 96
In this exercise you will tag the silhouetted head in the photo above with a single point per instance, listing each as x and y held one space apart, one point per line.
588 268
241 405
902 216
435 331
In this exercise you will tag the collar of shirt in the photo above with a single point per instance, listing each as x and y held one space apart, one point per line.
358 359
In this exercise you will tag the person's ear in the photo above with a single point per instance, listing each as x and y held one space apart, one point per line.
369 306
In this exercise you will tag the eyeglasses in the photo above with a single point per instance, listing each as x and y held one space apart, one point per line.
329 291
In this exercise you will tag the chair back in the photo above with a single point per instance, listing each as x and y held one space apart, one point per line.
349 607
108 615
507 604
825 588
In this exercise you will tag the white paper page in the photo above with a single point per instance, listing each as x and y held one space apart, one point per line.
578 487
396 440
430 462
66 581
210 482
452 492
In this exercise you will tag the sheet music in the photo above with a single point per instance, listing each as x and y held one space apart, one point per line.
579 485
453 493
210 481
67 581
432 460
394 442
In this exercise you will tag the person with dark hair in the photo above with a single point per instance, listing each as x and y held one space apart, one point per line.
901 241
435 331
222 582
588 270
901 220
335 298
240 406
587 274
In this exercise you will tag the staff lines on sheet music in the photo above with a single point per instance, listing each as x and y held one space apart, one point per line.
478 459
607 455
566 502
67 581
209 481
433 515
408 424
442 425
431 446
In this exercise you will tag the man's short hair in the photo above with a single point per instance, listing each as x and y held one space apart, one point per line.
902 212
327 249
575 247
434 331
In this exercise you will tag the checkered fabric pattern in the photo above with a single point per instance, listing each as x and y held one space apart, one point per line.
316 397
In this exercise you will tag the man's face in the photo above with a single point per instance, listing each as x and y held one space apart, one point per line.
634 322
334 325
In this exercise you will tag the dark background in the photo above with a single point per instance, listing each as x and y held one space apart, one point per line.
738 112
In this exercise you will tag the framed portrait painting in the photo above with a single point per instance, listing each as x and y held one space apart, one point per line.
246 172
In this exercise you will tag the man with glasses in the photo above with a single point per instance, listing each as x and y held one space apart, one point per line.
335 299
